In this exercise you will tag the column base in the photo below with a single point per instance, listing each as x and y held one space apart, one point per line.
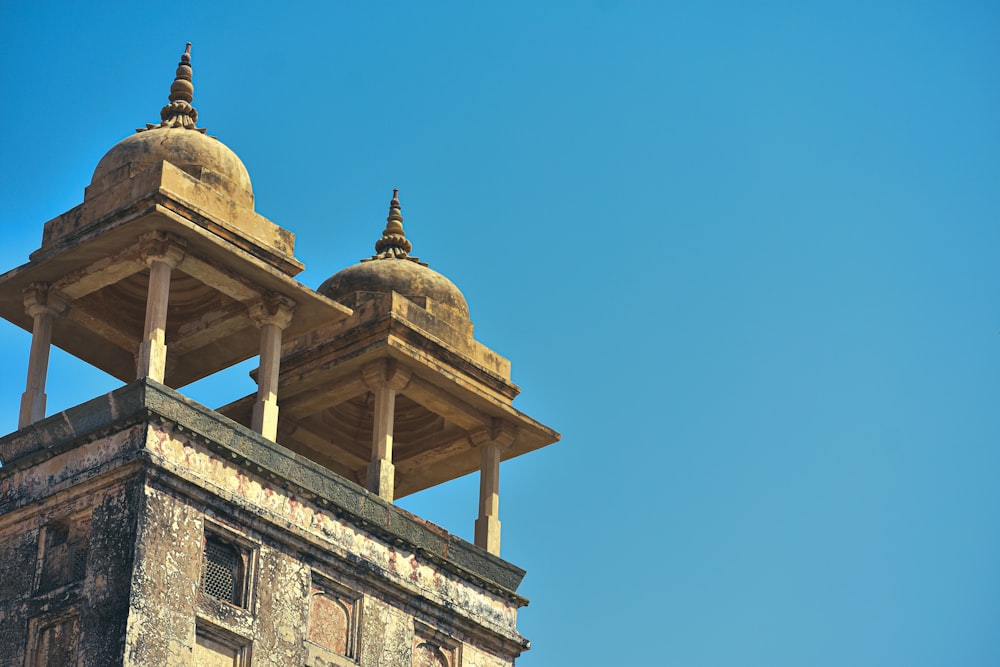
152 360
265 419
381 478
32 408
488 534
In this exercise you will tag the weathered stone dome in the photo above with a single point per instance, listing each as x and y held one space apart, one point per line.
392 269
176 139
386 275
201 156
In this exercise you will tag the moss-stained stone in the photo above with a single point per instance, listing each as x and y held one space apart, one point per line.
17 566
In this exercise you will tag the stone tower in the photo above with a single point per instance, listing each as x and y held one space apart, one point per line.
141 528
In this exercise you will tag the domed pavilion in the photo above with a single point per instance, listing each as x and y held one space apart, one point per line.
165 253
400 396
143 528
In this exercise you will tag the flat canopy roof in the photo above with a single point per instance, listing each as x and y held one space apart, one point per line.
104 279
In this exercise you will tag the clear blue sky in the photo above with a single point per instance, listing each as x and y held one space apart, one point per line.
744 255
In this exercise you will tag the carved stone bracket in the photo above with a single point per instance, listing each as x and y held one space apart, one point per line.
386 373
161 247
274 309
40 298
499 433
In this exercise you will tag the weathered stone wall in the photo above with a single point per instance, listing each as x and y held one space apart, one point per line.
18 555
164 582
291 544
106 537
386 636
64 567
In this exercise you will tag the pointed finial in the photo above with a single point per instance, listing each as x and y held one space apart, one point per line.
179 112
395 219
393 243
182 88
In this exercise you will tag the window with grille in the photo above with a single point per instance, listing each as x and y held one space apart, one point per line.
224 571
64 559
79 567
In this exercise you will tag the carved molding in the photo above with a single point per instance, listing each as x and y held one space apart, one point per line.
40 298
386 373
273 309
499 433
161 247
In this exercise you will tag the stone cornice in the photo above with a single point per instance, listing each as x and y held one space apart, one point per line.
148 401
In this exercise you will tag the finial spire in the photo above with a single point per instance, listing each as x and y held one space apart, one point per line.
179 112
393 244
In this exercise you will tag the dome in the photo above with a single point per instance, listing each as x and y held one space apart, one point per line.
176 140
201 156
386 275
393 270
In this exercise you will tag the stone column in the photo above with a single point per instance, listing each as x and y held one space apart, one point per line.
491 442
272 318
43 306
385 379
162 255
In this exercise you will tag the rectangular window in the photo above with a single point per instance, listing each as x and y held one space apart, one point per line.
54 640
65 543
333 622
226 568
433 648
215 648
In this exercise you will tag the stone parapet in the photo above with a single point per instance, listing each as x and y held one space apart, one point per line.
148 402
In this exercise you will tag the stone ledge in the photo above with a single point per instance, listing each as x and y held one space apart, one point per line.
147 400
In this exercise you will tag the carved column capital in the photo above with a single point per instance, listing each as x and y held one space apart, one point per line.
161 247
274 309
499 433
386 373
40 298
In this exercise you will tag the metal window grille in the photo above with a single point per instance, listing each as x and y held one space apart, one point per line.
223 571
65 554
79 564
